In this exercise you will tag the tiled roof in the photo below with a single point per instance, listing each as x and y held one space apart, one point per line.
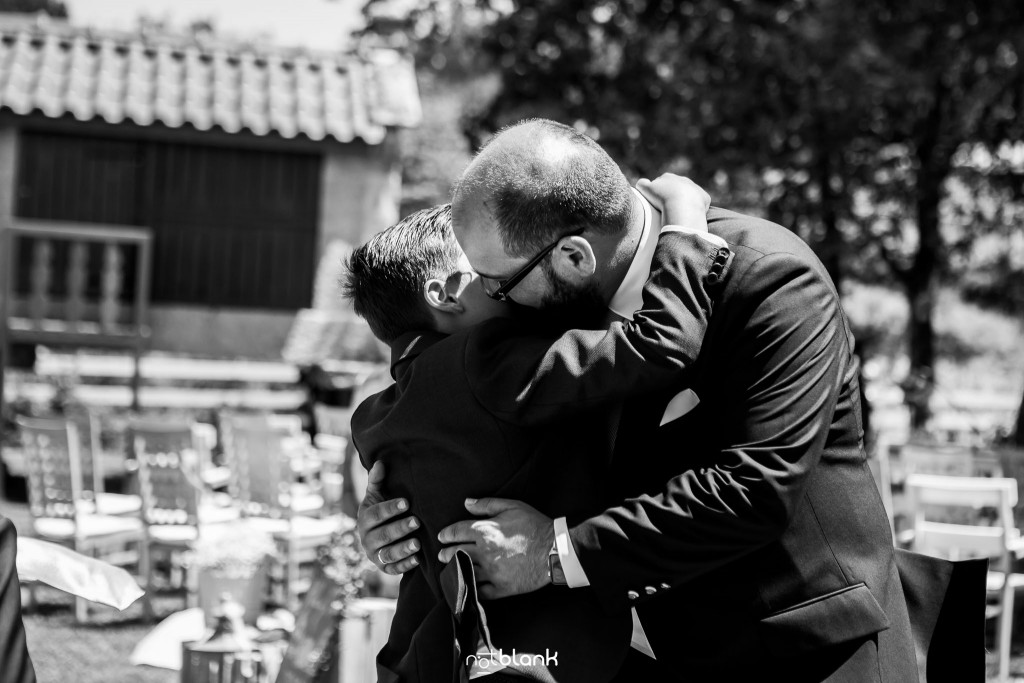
58 69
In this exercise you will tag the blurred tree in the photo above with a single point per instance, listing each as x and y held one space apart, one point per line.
880 130
842 120
55 8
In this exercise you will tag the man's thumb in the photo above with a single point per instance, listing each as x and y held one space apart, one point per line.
375 477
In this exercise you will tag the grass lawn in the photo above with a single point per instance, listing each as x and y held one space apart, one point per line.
96 652
92 653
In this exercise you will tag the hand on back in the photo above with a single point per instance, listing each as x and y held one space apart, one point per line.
680 200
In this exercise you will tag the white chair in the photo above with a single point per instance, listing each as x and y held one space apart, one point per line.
204 438
993 535
91 459
55 499
254 445
272 501
175 507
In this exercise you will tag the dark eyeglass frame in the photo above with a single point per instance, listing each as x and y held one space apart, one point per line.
508 284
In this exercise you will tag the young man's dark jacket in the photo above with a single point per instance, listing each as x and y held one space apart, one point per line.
15 663
441 445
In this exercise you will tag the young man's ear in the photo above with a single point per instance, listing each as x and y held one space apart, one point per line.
439 298
573 259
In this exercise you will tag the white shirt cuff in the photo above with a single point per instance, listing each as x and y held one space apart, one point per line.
714 239
575 577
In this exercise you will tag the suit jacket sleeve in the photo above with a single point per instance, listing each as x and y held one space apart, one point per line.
791 353
15 664
534 380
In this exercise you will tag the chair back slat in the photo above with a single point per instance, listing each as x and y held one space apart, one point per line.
237 452
168 475
950 461
265 470
975 492
959 541
984 525
87 426
51 462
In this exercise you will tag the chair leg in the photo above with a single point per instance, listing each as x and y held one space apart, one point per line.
81 610
28 597
146 571
81 604
1005 627
191 580
292 577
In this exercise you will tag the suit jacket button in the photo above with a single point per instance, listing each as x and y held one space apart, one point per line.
723 253
713 278
632 595
650 590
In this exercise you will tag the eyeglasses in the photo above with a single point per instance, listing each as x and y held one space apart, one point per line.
507 285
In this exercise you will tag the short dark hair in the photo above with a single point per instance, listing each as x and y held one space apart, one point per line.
536 200
385 276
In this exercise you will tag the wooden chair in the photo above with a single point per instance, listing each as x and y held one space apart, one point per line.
272 501
993 535
949 460
55 499
240 461
174 508
91 457
204 438
332 442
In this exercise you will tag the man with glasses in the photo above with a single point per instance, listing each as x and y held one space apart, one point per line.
414 287
748 534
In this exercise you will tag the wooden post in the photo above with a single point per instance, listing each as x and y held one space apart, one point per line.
8 200
76 282
39 298
110 286
142 281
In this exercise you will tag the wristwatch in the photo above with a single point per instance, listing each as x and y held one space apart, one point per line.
555 574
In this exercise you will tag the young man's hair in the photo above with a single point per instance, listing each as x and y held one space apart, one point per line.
544 180
385 276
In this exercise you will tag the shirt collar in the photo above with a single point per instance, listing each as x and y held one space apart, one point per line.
629 296
408 346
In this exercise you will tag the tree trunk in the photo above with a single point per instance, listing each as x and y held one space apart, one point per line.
922 289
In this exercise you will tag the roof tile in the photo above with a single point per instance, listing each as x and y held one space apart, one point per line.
57 69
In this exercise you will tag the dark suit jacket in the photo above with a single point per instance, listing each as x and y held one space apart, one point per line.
15 663
752 538
440 445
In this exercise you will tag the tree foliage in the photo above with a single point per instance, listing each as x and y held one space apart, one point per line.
885 132
55 8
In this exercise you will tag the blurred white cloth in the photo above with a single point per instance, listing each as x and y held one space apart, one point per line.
74 573
162 646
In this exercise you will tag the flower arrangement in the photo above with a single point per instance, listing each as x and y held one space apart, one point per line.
344 563
235 550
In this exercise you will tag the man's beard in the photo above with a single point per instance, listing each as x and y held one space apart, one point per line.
571 308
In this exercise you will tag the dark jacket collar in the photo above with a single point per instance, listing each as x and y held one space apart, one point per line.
408 346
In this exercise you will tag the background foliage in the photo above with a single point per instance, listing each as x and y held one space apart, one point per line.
886 133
